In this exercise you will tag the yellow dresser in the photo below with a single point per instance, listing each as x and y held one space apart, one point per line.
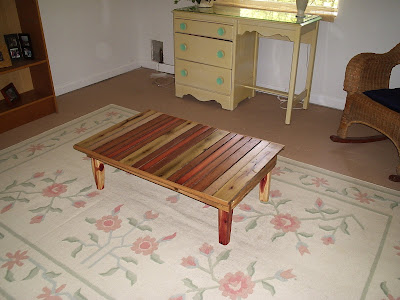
216 52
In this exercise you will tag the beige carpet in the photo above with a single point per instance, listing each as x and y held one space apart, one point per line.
321 236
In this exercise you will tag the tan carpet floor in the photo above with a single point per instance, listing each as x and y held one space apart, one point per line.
306 139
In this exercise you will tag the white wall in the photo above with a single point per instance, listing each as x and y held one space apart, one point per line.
92 40
89 41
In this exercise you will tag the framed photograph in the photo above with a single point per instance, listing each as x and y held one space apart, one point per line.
14 49
5 60
26 45
10 94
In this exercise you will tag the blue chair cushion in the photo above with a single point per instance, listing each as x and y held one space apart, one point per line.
387 97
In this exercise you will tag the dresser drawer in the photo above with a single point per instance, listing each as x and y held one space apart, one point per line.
203 50
214 30
202 76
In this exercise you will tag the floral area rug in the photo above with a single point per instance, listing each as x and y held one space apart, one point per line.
321 236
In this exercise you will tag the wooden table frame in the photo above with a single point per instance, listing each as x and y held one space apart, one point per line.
184 156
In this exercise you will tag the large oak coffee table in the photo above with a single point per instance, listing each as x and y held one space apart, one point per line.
214 166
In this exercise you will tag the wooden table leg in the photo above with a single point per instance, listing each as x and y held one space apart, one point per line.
224 226
265 184
98 172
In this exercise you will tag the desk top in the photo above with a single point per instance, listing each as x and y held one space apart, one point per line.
251 13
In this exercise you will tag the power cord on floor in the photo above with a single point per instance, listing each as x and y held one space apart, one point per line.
283 100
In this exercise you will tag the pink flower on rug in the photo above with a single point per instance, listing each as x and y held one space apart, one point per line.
47 295
236 285
108 223
328 239
206 249
286 222
397 248
178 297
80 130
150 216
92 194
277 171
303 248
36 219
275 193
145 246
173 199
284 275
245 207
238 218
38 175
54 190
59 172
319 181
34 148
319 203
112 113
363 198
189 262
15 259
79 204
6 208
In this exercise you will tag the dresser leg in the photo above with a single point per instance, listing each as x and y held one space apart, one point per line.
265 184
98 172
224 226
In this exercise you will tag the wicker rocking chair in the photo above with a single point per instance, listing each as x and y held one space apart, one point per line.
369 100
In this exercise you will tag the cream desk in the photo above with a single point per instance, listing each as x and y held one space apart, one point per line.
216 52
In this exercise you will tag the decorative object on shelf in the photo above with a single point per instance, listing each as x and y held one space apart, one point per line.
13 46
26 45
5 60
10 94
301 7
206 3
201 3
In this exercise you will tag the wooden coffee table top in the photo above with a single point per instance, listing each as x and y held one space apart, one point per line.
212 165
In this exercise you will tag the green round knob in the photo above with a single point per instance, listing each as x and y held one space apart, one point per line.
221 31
220 54
184 73
183 47
183 26
220 80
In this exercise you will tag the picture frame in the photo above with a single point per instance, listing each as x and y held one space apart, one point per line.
10 94
25 45
13 46
5 60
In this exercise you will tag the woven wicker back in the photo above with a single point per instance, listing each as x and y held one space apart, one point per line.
370 71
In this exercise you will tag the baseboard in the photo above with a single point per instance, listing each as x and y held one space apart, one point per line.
158 67
323 100
71 86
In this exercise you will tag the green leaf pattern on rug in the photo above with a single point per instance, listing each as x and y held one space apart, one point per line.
286 223
51 187
19 263
351 192
107 242
236 285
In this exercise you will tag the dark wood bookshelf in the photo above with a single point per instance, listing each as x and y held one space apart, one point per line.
31 77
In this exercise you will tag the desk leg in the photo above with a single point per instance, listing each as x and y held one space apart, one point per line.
265 184
293 76
98 172
224 226
313 47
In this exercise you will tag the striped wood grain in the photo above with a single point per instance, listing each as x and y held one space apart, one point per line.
211 165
